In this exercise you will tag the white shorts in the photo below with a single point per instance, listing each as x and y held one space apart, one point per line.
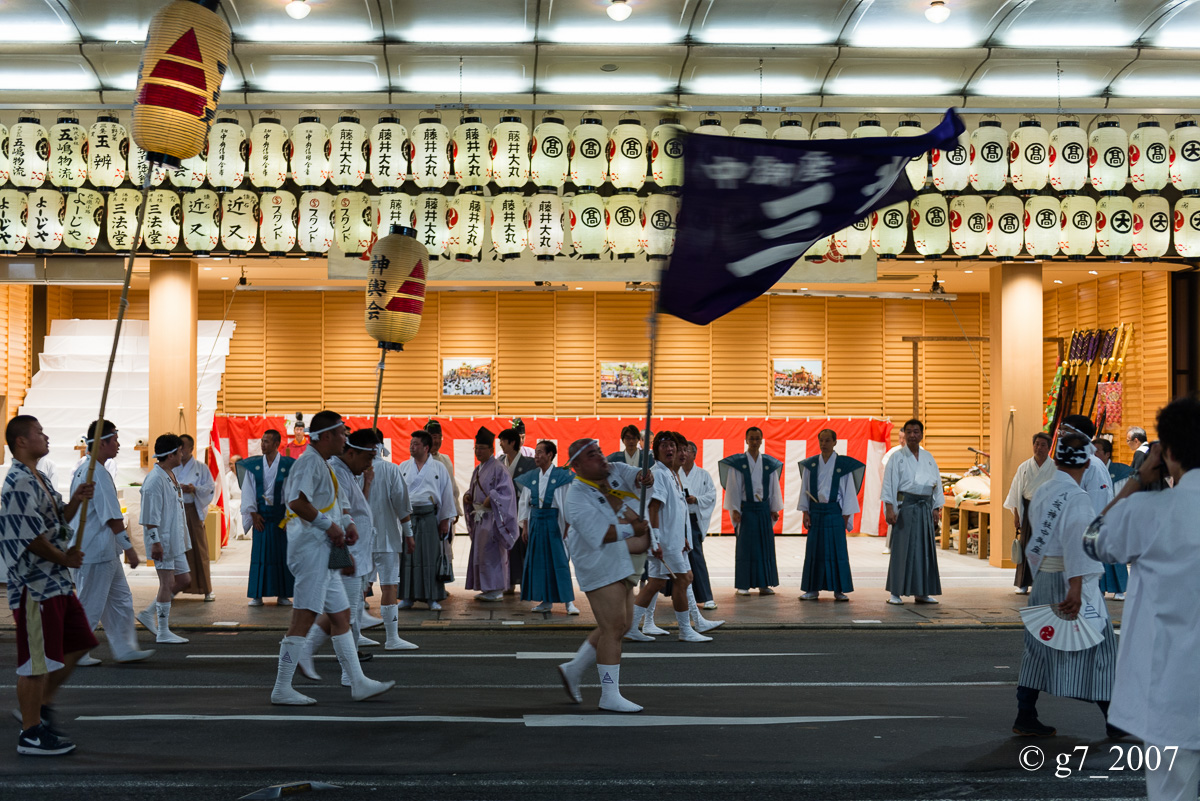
388 565
176 563
318 589
674 562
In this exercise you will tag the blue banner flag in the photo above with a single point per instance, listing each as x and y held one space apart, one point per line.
751 207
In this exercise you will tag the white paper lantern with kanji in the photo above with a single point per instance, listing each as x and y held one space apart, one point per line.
160 229
589 160
107 144
389 154
201 221
750 126
627 153
889 230
589 235
666 154
989 156
1005 236
1151 227
83 219
1108 156
353 222
310 152
659 213
396 208
429 153
46 209
227 150
28 152
968 225
1149 156
951 169
929 217
277 228
710 125
5 164
269 145
868 128
138 167
471 152
191 173
1187 227
854 241
348 151
1068 155
917 168
68 162
1042 226
1029 156
623 219
1078 222
822 249
239 221
1184 143
316 223
828 128
550 162
1114 226
431 223
465 219
545 223
14 208
124 206
791 128
510 152
509 234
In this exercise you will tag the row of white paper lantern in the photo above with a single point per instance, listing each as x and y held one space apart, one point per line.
45 220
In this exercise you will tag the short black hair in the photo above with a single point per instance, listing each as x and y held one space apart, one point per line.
693 446
423 437
753 428
271 432
19 426
631 431
189 439
1103 446
433 426
914 422
830 430
1082 423
510 436
362 438
660 438
550 447
1179 431
167 444
324 420
108 428
1043 435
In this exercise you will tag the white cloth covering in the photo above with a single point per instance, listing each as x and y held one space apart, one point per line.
359 510
1097 483
197 474
1026 482
390 504
445 462
734 492
847 494
162 517
431 483
1062 535
558 500
254 498
105 597
99 543
597 563
673 525
318 589
918 475
699 485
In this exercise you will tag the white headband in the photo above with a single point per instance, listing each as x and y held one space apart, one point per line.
318 432
589 444
165 455
109 435
372 448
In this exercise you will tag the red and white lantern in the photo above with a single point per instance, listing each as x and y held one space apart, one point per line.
509 232
348 151
627 154
750 127
889 230
83 219
929 217
138 166
1005 236
659 213
791 128
277 229
429 154
823 249
124 206
68 162
968 225
1151 227
107 145
431 223
269 148
1149 156
545 224
1068 155
1187 227
389 154
623 219
465 219
869 128
666 154
710 125
1108 156
191 173
316 223
828 128
353 222
1114 226
239 221
589 161
1042 226
1029 156
1078 221
1184 143
917 168
310 152
989 151
589 235
951 169
396 208
470 150
510 152
5 164
14 211
550 162
46 210
227 150
201 221
854 241
28 152
160 229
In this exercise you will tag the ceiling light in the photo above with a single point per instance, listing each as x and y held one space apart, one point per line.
304 258
916 289
1057 281
803 289
968 272
619 10
208 268
224 277
298 9
579 287
937 12
1092 272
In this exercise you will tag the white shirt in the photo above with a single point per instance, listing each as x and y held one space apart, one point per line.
430 484
558 500
1097 483
917 475
733 488
1026 482
598 563
360 513
699 485
1062 535
310 476
527 451
674 529
389 505
847 494
250 494
162 517
99 544
445 462
192 472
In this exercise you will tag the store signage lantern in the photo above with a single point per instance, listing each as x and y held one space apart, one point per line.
549 162
1068 155
1029 156
710 125
828 128
544 219
139 166
823 249
1114 226
389 149
917 168
1078 220
201 221
750 126
310 152
239 221
623 219
396 279
353 222
191 173
465 219
929 217
160 229
951 169
509 233
589 162
1005 235
988 152
46 212
471 153
5 164
14 210
1108 156
280 214
889 230
791 128
666 154
627 154
1042 226
395 208
1184 143
868 128
431 223
68 162
107 145
589 235
269 145
510 152
1187 227
227 151
124 206
659 215
968 225
316 223
28 152
1151 227
83 220
854 241
1149 156
429 154
349 151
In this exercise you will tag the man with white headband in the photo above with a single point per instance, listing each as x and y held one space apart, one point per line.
604 531
164 529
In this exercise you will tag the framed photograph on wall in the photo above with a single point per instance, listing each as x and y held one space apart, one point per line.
624 380
798 378
466 376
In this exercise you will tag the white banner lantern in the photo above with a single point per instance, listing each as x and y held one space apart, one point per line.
160 229
310 152
589 235
191 173
1068 155
429 154
124 205
854 241
1114 226
623 219
106 152
549 162
227 149
828 128
348 151
666 154
46 209
28 152
471 153
14 218
389 149
269 147
889 230
395 208
1151 227
989 151
201 221
1042 226
710 125
1187 227
510 152
917 168
138 166
1078 227
5 164
1108 156
1184 143
868 128
545 223
464 218
750 127
1005 236
509 234
83 219
823 249
929 218
279 213
239 221
589 163
1029 156
68 162
968 225
353 222
951 169
659 213
791 127
316 223
431 223
627 154
1149 162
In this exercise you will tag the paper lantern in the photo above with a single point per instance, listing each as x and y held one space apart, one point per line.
124 205
1108 156
395 208
82 221
929 218
951 169
1114 226
396 287
917 168
791 127
389 148
1029 156
431 223
1068 155
1149 162
1005 235
160 229
464 218
889 230
310 152
510 152
68 162
988 151
509 232
627 154
353 222
191 173
227 150
589 164
589 235
750 127
623 219
268 159
868 128
1042 226
349 151
471 153
550 162
14 209
710 125
545 223
1151 227
201 221
1184 144
1078 220
854 241
46 210
139 166
107 146
968 225
316 223
239 221
5 164
28 152
428 153
830 128
659 213
666 154
277 229
1187 227
179 80
824 249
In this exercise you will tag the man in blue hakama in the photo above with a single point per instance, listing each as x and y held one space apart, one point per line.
754 500
541 515
829 501
263 512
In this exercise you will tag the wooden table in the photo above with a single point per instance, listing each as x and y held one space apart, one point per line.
966 508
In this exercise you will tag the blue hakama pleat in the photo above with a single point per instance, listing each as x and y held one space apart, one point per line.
547 573
754 556
826 557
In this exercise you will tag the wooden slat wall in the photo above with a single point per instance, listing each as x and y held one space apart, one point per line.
525 348
901 318
293 354
622 335
575 376
682 368
18 311
468 330
741 371
412 381
59 304
90 304
350 356
797 331
854 359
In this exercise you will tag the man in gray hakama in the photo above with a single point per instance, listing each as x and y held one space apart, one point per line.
430 490
912 495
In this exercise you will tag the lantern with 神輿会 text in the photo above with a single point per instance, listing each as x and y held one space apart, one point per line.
316 223
82 220
428 151
1068 155
1042 226
465 221
917 168
1005 234
1184 143
348 151
28 151
227 150
46 209
277 228
310 152
389 147
889 230
395 296
124 205
589 162
68 162
544 221
268 157
160 229
659 213
239 221
627 153
1078 220
1149 149
14 209
431 223
510 152
791 127
666 154
989 152
1029 155
589 237
470 151
549 162
1114 226
509 233
929 218
1151 227
201 221
968 225
353 222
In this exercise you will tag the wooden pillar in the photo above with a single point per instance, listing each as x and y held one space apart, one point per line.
1016 387
174 310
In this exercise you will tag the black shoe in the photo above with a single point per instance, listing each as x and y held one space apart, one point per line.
1028 725
363 656
50 721
1114 733
40 741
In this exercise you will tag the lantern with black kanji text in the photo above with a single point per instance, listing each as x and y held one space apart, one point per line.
1149 165
1108 155
28 151
124 205
623 217
139 166
659 214
277 228
201 221
929 218
431 223
666 154
854 241
1078 220
348 154
1028 156
191 173
14 209
917 168
395 296
889 230
67 165
429 151
389 160
1005 234
588 233
989 156
1151 227
310 152
316 223
82 220
239 221
268 153
353 222
227 149
465 221
396 208
1187 227
509 232
1114 226
510 152
1042 227
951 169
589 165
107 145
548 161
545 223
471 153
160 230
1068 155
1184 144
627 154
968 225
46 210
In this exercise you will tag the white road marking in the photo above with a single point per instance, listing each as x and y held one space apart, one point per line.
518 655
532 721
266 686
306 718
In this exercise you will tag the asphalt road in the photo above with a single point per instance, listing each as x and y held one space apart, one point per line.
481 715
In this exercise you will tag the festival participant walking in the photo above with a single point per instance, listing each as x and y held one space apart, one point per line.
165 535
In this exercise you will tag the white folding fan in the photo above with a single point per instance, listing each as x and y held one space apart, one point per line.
1049 627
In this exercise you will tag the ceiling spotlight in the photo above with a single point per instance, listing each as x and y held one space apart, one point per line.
619 10
937 11
298 9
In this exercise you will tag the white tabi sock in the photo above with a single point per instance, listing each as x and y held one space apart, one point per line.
650 607
585 657
391 621
572 672
610 690
163 619
361 688
697 619
283 693
312 643
354 593
639 614
686 632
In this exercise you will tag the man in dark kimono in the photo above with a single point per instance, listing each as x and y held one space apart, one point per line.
829 501
754 501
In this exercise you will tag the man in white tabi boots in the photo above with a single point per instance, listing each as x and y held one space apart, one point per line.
391 512
165 535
